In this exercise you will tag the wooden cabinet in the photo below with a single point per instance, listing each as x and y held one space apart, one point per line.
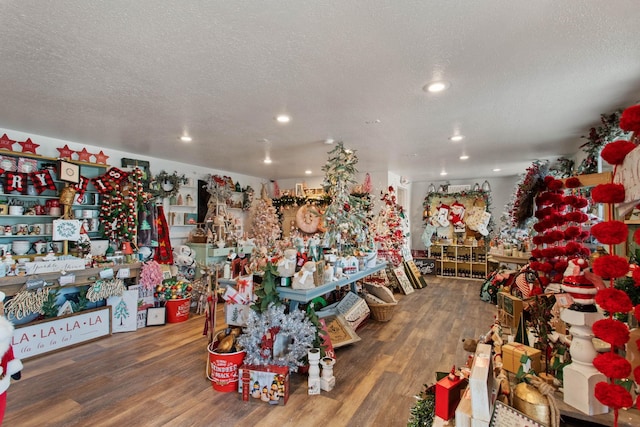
460 261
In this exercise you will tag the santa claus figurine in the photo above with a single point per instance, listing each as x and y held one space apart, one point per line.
10 367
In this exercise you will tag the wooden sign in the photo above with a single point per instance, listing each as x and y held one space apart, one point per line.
425 265
40 267
414 274
507 416
403 280
49 335
628 174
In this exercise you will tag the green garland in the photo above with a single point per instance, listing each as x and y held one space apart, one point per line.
163 177
598 138
423 412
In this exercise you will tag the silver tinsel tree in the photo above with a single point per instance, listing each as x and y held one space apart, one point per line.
263 328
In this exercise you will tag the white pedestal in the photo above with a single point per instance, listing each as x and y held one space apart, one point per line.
580 377
579 384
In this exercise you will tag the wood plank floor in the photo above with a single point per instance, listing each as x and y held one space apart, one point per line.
156 376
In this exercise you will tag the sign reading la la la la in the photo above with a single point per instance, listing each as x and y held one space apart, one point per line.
49 335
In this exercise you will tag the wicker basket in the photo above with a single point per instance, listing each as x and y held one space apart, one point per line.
382 312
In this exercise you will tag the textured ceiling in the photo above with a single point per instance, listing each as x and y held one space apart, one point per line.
527 79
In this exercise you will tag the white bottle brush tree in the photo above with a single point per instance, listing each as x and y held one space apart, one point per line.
265 223
345 217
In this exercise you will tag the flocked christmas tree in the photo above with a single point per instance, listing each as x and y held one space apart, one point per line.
265 223
345 217
388 228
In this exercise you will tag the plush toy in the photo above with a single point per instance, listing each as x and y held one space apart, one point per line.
10 367
183 258
303 279
287 264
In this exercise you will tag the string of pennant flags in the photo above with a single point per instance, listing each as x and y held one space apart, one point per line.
42 181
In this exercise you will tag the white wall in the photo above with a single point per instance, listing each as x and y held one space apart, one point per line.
48 148
502 190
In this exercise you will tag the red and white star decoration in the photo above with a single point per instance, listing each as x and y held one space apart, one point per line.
65 152
84 155
101 158
29 146
6 143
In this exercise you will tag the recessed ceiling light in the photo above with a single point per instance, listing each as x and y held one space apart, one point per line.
443 173
283 118
456 138
267 160
186 138
308 172
464 157
438 86
497 170
329 141
372 122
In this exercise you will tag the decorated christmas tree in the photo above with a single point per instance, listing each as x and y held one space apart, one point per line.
345 217
388 228
265 224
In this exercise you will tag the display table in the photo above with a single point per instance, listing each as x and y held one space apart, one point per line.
296 296
501 259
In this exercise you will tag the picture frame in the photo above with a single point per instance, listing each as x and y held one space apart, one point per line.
156 316
68 172
143 165
339 330
299 189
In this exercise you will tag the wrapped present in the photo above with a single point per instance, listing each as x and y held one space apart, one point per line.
268 383
512 354
448 394
236 314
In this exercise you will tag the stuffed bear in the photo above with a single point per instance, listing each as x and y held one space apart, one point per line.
183 258
10 367
303 279
287 265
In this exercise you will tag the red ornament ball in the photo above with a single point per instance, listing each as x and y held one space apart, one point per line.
608 193
612 365
611 331
630 119
573 183
613 395
614 301
611 266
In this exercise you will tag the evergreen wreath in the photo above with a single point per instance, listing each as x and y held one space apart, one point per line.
262 329
174 179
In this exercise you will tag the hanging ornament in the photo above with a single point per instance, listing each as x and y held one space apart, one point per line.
102 184
81 188
65 152
486 187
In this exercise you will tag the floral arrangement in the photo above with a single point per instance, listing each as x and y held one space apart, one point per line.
150 275
294 332
598 137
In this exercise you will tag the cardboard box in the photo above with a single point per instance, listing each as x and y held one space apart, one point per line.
448 396
463 411
268 383
512 352
509 310
481 384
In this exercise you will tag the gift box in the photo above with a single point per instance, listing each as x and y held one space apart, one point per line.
448 394
481 384
236 314
269 383
513 352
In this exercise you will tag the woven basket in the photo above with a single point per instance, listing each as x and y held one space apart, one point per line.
382 312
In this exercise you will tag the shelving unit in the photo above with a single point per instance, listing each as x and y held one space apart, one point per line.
40 226
460 261
179 215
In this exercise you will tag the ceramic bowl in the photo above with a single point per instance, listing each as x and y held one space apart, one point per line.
20 247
